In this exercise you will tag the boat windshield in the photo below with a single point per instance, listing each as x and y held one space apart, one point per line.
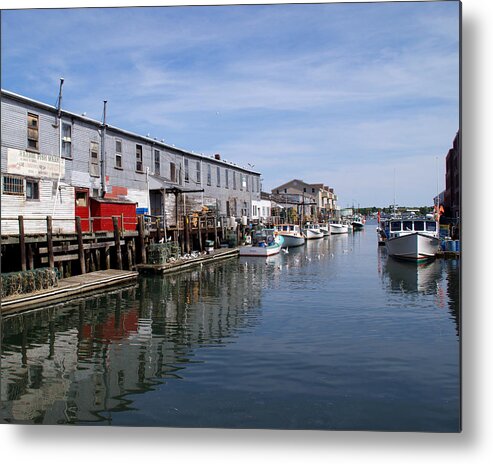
395 226
431 226
419 225
407 225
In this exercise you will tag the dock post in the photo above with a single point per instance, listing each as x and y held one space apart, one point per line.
186 230
143 257
80 244
199 234
30 256
22 243
49 240
118 249
216 243
107 257
158 231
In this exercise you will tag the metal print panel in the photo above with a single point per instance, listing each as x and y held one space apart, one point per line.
252 217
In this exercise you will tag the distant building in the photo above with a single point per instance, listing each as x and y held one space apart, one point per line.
316 201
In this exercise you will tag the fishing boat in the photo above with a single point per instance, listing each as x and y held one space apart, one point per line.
291 234
325 228
412 239
338 228
312 231
358 223
265 242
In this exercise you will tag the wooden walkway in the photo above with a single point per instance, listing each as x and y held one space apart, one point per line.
180 265
66 289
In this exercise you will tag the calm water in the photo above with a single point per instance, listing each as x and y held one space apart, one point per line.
332 335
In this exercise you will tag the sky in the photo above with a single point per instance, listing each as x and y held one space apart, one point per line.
362 97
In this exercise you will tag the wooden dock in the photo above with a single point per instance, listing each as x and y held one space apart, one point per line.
181 264
66 289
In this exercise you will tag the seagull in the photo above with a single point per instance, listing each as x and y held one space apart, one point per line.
285 250
162 240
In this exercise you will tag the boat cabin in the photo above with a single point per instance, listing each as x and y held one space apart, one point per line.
397 227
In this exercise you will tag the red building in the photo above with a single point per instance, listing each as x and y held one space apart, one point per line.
453 180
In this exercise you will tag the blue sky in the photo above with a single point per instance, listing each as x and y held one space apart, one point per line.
343 94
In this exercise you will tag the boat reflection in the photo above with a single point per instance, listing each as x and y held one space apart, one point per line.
411 277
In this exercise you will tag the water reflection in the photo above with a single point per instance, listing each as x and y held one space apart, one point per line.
77 362
313 338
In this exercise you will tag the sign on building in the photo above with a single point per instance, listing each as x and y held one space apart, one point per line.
31 164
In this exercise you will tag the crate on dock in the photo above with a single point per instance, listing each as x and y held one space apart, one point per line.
160 253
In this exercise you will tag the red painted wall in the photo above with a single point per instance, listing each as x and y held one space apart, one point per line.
101 208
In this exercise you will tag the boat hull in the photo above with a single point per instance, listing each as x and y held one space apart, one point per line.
413 247
325 231
260 251
357 225
292 240
312 234
338 229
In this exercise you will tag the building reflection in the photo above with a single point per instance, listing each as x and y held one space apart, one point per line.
79 362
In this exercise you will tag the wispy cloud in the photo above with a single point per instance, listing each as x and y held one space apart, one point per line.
297 90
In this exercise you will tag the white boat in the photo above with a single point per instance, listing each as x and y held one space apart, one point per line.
265 242
312 231
291 234
412 239
325 228
358 223
338 228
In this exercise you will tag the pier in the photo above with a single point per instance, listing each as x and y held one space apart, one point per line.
66 289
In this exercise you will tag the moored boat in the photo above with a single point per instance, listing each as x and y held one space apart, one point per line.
265 242
325 229
312 231
338 228
412 239
358 223
291 234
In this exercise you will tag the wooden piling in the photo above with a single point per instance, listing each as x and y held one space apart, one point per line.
22 243
118 249
199 234
158 231
80 244
216 242
49 241
143 256
107 257
30 256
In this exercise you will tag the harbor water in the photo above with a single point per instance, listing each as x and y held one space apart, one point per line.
332 335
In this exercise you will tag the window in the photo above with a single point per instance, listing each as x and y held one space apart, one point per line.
32 189
139 165
407 225
419 225
218 176
199 174
32 131
66 140
172 172
234 180
304 189
258 184
242 181
431 226
94 159
81 199
395 226
118 154
226 178
247 182
187 172
285 191
13 185
209 175
157 162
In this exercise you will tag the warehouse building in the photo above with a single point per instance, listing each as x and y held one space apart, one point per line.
54 162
